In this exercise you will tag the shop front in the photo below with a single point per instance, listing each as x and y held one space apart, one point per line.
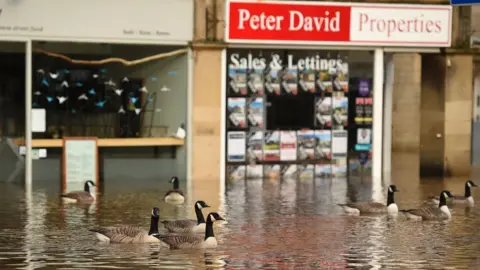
308 85
115 74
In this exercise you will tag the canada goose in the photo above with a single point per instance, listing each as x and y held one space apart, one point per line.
456 199
174 195
188 225
194 241
85 196
130 234
432 212
374 207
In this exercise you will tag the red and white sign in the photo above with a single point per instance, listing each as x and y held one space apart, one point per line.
338 23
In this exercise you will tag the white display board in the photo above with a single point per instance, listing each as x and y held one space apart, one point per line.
93 20
80 162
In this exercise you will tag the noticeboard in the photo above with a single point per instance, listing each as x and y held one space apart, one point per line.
79 162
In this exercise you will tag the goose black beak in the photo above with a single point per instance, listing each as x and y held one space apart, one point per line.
475 185
206 206
220 218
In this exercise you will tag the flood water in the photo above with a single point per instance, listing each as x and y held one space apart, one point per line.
272 224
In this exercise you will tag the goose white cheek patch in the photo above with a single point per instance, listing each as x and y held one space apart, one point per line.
390 189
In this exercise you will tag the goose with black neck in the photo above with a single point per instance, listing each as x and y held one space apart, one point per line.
194 241
374 207
188 225
442 212
467 199
175 195
130 234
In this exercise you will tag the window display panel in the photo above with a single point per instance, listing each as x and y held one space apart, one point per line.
109 91
296 112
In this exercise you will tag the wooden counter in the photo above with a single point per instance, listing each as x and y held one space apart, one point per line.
109 142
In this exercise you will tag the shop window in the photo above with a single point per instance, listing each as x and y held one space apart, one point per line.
109 91
297 113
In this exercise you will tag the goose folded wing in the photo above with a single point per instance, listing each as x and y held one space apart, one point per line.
124 231
177 225
371 207
77 195
181 241
428 213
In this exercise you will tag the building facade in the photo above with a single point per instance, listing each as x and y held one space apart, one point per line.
431 100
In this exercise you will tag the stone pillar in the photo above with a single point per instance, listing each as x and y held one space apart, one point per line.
458 114
206 123
406 103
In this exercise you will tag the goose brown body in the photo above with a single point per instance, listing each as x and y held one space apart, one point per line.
130 234
85 196
126 234
374 207
188 225
193 241
431 212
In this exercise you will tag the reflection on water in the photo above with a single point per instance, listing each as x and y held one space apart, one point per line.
276 224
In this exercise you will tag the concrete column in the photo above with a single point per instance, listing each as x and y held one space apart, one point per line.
406 102
387 115
377 144
458 114
206 123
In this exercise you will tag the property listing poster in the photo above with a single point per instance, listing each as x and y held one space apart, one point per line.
273 80
341 78
368 109
290 82
236 113
323 112
306 144
255 146
359 110
340 112
236 141
288 145
324 81
237 80
339 143
323 149
307 80
271 148
255 81
255 112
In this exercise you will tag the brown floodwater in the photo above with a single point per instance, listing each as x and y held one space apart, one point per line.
272 224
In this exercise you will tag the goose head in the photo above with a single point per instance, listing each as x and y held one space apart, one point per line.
470 183
155 212
201 204
88 185
214 216
445 194
393 189
173 180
